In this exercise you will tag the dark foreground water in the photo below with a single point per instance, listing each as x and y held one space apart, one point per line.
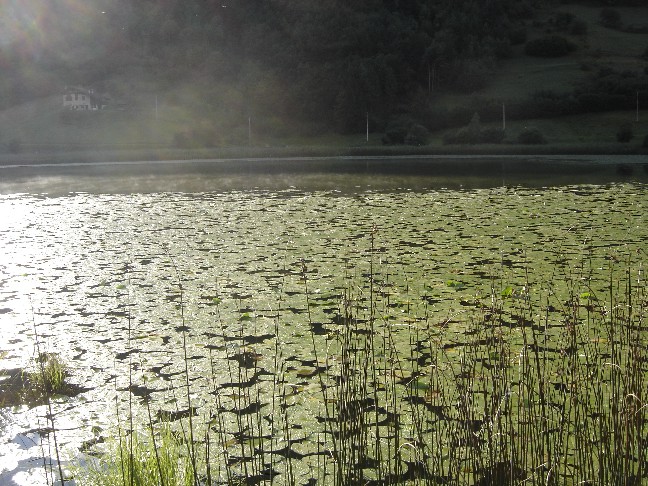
114 266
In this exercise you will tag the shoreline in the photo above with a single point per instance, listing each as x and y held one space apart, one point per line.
304 153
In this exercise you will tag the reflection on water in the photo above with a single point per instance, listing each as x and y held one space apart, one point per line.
92 269
332 173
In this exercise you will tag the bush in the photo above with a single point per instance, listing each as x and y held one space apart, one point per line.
624 134
455 137
396 131
403 130
531 136
610 18
473 133
417 135
492 135
473 130
550 46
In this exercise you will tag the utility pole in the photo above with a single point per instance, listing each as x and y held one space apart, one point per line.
367 127
503 117
250 131
156 108
637 116
431 76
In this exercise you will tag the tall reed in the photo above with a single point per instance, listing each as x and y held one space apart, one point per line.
541 381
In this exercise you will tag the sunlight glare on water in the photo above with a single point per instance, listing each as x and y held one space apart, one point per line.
86 268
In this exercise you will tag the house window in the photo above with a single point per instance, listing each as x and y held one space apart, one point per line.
68 97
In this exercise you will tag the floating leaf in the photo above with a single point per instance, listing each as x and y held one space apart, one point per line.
306 372
508 292
229 443
420 384
455 284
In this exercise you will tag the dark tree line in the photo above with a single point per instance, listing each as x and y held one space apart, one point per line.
324 63
334 59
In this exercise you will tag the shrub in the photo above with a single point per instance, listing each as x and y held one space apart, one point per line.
417 135
403 130
624 134
492 135
531 136
396 131
473 133
474 129
550 46
459 137
610 18
470 134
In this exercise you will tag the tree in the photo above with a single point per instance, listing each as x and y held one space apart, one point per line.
610 18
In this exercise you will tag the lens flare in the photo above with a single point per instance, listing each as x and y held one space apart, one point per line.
30 27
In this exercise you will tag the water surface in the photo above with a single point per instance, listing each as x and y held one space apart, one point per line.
114 270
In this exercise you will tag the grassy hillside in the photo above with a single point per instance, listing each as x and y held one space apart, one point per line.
175 116
522 75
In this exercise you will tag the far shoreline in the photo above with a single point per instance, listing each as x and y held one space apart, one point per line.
634 154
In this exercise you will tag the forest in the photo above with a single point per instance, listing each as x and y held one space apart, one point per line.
321 64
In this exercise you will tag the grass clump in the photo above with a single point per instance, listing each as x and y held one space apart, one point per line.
134 459
50 375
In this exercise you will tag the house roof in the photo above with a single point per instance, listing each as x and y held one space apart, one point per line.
103 98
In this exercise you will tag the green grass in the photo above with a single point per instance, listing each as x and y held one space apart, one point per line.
520 76
591 130
50 374
131 459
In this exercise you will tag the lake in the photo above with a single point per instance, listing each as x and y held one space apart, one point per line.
130 272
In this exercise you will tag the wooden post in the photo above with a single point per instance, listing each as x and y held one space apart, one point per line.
367 127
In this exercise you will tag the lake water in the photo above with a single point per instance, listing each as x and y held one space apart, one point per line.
115 266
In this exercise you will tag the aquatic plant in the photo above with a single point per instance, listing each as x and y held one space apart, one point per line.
50 375
540 381
134 459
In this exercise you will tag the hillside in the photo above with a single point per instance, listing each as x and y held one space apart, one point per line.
198 74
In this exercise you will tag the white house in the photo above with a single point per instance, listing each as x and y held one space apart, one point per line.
77 98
